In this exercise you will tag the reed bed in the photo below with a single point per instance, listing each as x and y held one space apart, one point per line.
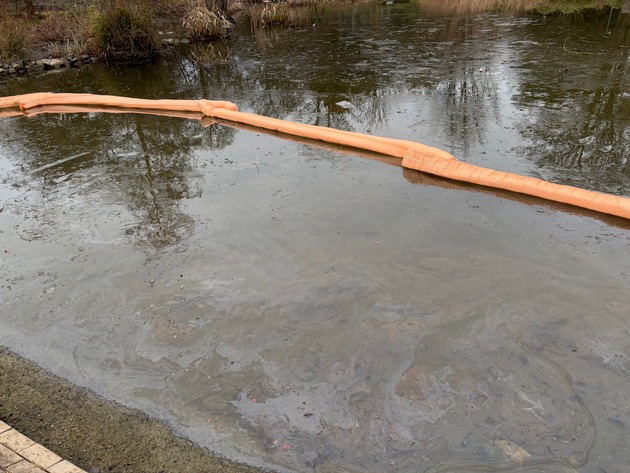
124 29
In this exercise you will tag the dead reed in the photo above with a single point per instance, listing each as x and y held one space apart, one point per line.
285 14
13 37
202 24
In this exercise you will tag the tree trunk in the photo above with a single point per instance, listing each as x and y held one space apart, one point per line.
29 8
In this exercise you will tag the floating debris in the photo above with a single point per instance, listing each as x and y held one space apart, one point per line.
345 104
513 451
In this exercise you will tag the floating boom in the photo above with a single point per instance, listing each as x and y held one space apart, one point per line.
412 155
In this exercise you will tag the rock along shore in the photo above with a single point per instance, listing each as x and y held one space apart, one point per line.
40 66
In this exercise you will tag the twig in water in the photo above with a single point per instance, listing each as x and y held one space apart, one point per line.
22 237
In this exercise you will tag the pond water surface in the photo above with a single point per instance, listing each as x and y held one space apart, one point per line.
306 309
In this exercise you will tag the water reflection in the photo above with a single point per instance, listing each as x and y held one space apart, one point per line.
585 99
480 87
147 163
475 76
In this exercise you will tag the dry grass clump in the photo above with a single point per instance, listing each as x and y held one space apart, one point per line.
286 14
13 37
57 27
451 7
300 15
125 30
72 47
202 24
68 33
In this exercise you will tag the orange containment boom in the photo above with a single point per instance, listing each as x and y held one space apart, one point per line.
414 155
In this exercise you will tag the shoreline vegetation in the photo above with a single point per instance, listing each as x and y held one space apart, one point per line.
38 36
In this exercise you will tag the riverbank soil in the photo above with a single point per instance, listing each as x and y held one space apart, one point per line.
92 433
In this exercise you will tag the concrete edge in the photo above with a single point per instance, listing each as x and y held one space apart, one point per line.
20 454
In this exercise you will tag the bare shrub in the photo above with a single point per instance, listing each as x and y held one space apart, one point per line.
56 27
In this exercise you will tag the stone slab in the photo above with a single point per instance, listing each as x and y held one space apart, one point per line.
40 456
19 454
8 457
15 440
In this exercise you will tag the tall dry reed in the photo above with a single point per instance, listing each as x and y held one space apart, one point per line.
13 37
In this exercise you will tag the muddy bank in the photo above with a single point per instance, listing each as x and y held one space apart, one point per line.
91 432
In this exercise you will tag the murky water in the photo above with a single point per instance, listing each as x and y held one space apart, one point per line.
310 310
